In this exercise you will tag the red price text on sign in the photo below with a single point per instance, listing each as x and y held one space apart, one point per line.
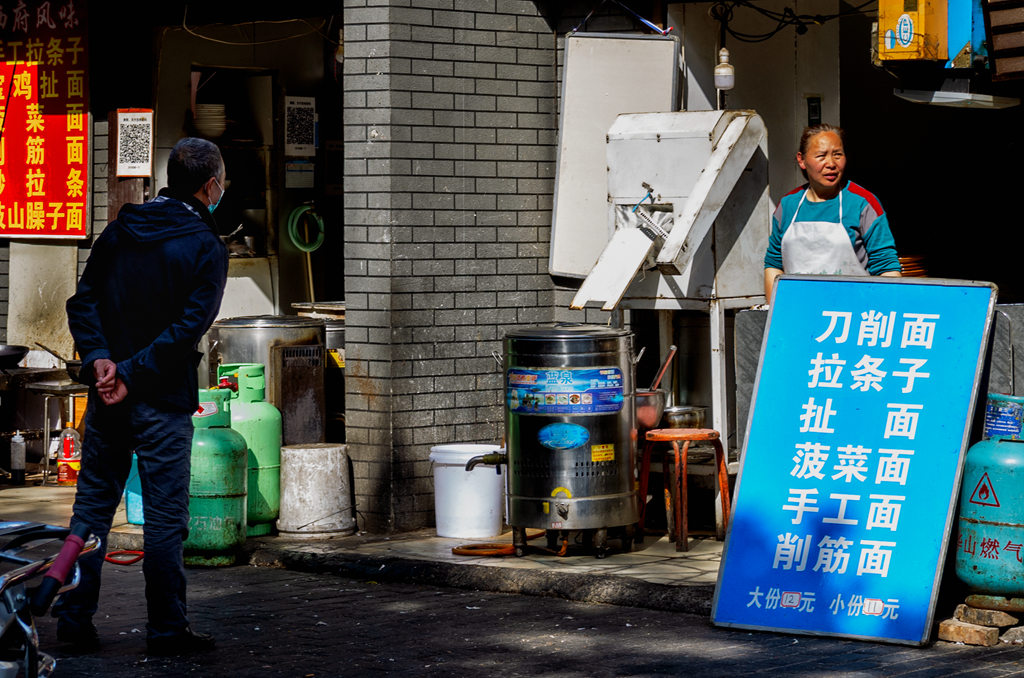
44 144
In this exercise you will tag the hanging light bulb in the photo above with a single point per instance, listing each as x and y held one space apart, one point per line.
725 73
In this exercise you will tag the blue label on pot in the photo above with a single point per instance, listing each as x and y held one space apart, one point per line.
1004 415
563 436
565 390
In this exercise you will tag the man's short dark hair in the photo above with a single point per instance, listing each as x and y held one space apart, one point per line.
193 161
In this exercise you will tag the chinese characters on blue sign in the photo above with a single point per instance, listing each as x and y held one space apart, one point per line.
852 462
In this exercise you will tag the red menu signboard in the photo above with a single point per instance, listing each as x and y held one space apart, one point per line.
44 136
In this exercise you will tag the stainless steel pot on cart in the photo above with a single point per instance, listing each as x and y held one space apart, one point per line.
570 433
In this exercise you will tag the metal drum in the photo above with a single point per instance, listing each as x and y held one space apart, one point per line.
292 350
570 430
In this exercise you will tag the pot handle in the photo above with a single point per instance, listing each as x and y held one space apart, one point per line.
639 355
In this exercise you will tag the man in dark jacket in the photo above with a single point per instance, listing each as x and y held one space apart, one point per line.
150 290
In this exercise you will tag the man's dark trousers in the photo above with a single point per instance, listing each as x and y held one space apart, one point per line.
163 442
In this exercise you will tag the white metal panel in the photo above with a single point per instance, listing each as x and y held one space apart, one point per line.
676 154
604 75
724 168
615 270
667 151
708 125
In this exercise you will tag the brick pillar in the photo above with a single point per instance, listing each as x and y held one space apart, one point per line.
450 144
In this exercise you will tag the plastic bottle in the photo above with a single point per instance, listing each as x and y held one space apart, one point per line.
17 459
69 457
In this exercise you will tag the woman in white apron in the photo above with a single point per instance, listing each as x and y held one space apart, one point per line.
829 226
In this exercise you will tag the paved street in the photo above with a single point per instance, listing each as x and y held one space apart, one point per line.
272 622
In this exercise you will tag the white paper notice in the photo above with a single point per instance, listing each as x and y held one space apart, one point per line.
300 126
135 143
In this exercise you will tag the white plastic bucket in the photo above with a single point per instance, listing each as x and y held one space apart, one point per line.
467 504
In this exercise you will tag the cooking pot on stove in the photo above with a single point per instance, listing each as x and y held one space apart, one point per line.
73 367
11 355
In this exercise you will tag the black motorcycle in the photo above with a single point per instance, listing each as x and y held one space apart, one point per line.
31 552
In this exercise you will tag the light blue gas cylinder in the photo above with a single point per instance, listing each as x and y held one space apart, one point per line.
990 536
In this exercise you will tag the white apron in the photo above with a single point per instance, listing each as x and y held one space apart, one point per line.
821 247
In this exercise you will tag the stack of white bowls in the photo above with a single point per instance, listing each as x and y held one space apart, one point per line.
210 120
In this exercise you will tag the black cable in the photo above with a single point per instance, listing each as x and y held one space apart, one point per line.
723 13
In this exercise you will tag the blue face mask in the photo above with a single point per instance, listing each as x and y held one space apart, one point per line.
214 205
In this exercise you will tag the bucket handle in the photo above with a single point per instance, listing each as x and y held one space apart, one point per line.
639 355
498 358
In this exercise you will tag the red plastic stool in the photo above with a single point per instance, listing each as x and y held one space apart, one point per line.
678 507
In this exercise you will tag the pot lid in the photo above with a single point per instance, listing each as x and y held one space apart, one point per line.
270 321
566 331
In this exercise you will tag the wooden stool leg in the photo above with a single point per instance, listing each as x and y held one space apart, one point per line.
667 482
682 532
677 499
684 496
723 483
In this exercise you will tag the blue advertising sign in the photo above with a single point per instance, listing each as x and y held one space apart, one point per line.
853 456
564 390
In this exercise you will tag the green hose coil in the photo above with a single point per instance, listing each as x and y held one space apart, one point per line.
294 218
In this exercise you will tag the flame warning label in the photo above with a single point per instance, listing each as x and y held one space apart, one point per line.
984 494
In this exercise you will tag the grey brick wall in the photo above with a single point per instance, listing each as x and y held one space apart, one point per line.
450 116
100 172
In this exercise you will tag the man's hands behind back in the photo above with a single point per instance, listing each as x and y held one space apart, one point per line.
109 386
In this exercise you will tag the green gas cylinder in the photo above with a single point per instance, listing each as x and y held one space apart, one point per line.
216 491
259 422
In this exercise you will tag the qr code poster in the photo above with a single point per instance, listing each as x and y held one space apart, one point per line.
300 126
135 143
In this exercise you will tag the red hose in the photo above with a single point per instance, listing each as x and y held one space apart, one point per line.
501 548
124 557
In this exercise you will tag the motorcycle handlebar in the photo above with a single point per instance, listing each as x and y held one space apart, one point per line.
58 572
